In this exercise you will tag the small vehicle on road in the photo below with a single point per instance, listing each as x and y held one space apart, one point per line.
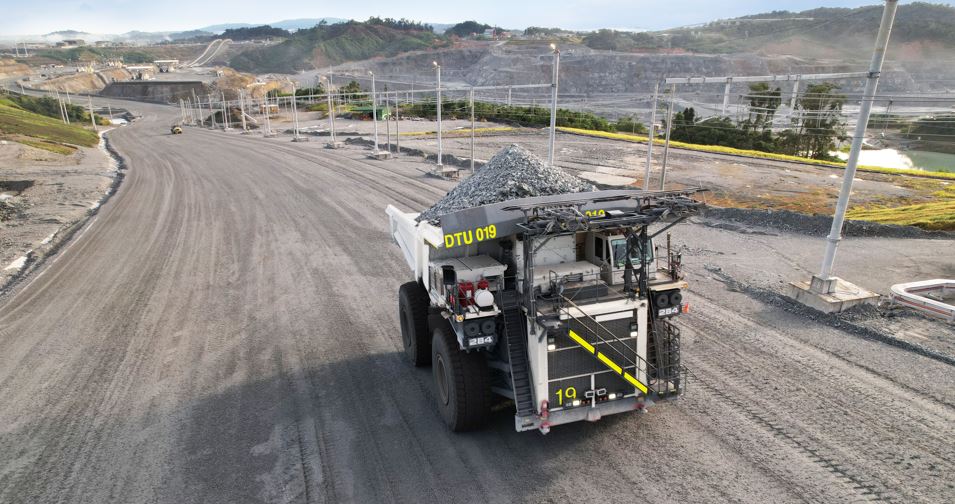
176 130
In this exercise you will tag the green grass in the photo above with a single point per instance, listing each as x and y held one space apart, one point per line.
935 215
41 131
58 148
758 154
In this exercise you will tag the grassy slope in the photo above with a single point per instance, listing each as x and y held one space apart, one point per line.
41 131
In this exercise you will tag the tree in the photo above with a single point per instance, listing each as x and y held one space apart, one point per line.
817 122
763 103
467 29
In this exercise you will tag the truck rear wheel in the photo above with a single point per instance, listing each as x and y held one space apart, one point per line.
462 384
413 303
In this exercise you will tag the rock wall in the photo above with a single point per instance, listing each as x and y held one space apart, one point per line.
155 91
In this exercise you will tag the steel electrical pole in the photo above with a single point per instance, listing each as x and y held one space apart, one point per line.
92 118
553 107
440 153
242 110
374 110
472 128
666 141
397 119
294 99
824 282
331 108
650 135
726 96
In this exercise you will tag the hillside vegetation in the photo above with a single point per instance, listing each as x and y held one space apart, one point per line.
919 28
42 131
330 44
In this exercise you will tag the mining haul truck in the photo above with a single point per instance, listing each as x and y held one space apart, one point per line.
559 303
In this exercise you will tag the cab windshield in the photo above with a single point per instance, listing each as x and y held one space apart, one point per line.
620 253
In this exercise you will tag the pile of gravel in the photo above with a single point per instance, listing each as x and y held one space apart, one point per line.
512 173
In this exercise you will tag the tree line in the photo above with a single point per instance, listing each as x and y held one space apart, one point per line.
815 125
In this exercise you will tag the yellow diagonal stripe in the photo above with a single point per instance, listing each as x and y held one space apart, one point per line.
636 383
610 364
582 342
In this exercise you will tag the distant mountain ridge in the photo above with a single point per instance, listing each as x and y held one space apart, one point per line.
330 44
287 24
921 30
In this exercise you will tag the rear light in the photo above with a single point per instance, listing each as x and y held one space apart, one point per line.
686 308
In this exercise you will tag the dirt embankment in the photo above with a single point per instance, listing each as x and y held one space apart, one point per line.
231 82
85 82
43 197
11 69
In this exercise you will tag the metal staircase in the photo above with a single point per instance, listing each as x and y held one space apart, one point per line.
516 337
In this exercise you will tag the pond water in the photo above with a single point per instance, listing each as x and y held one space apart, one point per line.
913 159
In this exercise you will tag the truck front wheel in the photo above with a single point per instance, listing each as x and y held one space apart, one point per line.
413 303
462 384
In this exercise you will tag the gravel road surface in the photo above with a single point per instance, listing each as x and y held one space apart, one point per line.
225 330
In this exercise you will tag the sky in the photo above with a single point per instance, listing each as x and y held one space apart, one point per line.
117 16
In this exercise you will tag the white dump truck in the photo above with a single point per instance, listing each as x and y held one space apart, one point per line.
558 303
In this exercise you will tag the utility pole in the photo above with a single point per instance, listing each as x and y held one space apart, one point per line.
294 99
509 96
242 110
437 68
397 138
59 102
472 128
553 107
92 118
387 127
212 116
374 110
650 136
268 117
726 96
226 123
331 109
666 142
824 282
196 104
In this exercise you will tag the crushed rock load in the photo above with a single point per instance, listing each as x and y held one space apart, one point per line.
512 173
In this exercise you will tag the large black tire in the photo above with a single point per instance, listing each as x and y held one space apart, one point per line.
462 382
413 303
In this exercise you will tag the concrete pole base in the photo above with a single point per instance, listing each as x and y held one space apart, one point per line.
335 145
300 139
830 295
380 155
